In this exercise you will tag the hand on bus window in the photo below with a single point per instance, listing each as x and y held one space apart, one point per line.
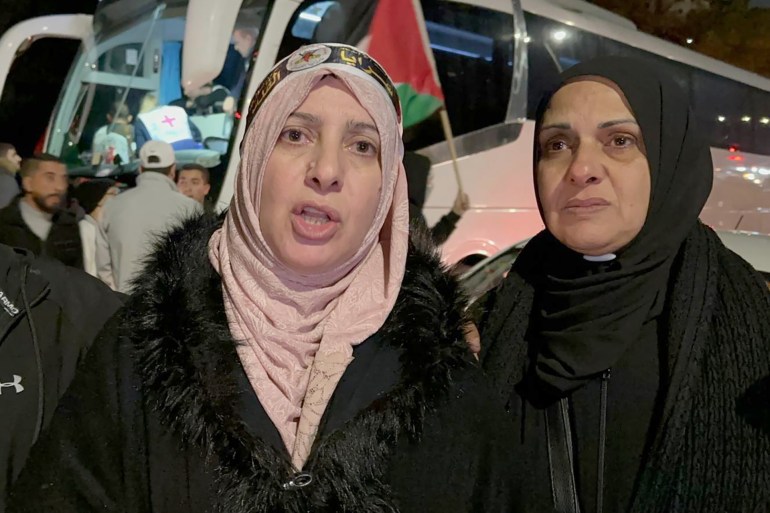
462 204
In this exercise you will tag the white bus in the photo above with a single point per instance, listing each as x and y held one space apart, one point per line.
495 58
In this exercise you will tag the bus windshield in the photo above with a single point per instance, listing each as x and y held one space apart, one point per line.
125 89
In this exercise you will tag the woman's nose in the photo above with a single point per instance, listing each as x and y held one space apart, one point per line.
325 172
585 168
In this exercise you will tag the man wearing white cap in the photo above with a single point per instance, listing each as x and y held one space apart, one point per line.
133 219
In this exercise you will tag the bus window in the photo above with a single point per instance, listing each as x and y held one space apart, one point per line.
723 108
472 46
554 47
126 89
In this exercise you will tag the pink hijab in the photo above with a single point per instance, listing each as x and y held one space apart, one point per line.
296 332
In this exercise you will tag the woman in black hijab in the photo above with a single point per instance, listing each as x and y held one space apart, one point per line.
632 348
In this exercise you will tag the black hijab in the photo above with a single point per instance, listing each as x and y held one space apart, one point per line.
586 314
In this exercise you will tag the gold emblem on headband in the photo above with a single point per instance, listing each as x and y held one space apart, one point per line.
308 57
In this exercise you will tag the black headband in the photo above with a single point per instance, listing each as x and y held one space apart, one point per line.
313 55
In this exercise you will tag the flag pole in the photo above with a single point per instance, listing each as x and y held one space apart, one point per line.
451 142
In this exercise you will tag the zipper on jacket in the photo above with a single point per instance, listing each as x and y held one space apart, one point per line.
602 440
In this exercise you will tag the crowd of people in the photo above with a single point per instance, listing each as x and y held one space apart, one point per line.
307 351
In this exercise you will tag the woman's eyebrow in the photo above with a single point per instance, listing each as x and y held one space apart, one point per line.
310 118
563 126
614 122
361 126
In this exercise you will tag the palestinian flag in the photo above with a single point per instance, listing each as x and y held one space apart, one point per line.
398 40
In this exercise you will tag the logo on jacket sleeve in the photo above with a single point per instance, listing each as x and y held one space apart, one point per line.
8 305
15 384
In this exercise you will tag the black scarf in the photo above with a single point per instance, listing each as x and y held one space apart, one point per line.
585 314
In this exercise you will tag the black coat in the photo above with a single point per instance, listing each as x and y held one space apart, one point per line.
708 443
63 242
163 418
44 332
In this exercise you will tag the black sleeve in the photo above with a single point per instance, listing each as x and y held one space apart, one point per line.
463 460
444 228
79 464
211 99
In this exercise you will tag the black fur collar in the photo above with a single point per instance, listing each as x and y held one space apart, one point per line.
180 331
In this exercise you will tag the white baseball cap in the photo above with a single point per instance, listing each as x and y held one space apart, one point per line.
156 155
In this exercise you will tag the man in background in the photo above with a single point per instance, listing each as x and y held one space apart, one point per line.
10 162
194 182
39 221
134 219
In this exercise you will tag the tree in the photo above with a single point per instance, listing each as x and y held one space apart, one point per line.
728 30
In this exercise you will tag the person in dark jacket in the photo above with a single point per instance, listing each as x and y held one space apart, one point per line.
298 354
632 347
417 174
10 161
49 315
39 220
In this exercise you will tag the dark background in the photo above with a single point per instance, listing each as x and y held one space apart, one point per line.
36 77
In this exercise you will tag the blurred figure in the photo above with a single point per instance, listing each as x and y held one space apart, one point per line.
417 177
149 102
194 182
204 100
113 143
10 162
133 220
39 220
49 315
244 42
169 124
91 197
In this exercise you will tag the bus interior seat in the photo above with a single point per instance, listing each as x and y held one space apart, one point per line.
212 125
218 144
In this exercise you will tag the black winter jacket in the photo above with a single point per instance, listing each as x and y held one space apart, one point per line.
163 418
63 242
49 315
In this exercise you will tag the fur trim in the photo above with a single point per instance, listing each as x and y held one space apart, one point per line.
187 358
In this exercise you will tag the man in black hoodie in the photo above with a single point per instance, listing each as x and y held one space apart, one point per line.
49 315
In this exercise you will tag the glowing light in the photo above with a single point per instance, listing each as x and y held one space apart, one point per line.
689 40
750 176
721 119
735 158
740 169
746 119
559 35
764 121
758 181
732 149
763 171
527 39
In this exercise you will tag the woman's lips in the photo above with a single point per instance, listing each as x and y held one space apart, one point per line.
584 206
315 223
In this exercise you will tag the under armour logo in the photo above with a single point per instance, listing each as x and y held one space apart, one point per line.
16 384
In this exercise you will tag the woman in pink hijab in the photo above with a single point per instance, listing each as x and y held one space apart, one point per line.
298 354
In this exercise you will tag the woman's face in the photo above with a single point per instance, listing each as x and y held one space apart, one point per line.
593 177
321 187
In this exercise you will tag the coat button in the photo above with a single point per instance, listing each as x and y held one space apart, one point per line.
298 480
